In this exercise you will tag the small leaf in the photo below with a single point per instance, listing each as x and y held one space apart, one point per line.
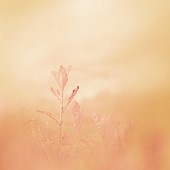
56 93
62 78
74 92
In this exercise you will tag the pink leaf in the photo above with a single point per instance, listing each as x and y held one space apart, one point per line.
76 115
56 93
62 77
74 92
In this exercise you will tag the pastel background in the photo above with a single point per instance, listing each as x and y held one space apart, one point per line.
120 52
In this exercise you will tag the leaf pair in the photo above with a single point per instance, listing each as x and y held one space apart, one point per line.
58 94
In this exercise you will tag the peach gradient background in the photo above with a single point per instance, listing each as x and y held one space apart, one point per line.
120 52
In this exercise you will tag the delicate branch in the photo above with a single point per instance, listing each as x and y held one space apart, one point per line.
61 78
50 115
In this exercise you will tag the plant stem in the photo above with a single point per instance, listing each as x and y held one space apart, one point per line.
60 123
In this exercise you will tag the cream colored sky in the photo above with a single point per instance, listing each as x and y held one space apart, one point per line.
117 46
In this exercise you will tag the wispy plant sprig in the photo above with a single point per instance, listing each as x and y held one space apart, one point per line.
61 78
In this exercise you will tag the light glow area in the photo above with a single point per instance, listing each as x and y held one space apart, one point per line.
108 40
